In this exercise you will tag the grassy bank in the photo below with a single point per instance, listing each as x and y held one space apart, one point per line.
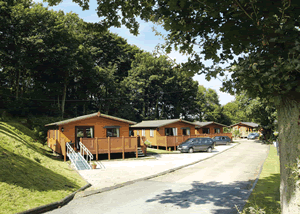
30 174
266 193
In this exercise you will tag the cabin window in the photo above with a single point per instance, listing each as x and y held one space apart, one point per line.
112 132
205 130
171 131
151 132
217 130
186 131
143 132
131 133
85 132
137 132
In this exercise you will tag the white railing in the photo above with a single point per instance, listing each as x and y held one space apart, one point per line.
84 150
72 155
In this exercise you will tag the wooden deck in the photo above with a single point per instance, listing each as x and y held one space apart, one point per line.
101 145
174 141
113 145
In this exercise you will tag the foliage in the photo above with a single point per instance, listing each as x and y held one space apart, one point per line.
208 107
262 35
30 171
236 133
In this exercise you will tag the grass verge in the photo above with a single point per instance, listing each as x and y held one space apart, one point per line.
158 151
30 174
266 193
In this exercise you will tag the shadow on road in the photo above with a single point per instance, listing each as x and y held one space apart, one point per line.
218 197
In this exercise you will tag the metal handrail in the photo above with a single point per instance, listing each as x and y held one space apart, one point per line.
88 153
71 150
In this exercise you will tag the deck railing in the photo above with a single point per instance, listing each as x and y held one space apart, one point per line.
174 141
111 145
85 151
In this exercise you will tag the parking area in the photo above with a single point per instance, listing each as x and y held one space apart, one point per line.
117 172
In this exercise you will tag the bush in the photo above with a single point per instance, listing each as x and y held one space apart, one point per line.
37 124
236 133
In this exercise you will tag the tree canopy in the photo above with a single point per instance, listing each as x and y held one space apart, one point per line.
260 37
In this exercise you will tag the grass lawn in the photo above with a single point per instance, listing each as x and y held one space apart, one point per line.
30 174
266 193
158 151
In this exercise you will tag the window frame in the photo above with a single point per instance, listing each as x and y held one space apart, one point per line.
152 132
206 129
117 132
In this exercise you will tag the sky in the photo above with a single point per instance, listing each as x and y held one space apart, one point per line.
146 40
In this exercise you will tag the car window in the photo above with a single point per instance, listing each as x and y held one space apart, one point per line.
217 138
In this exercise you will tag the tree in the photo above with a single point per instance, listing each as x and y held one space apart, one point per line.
265 36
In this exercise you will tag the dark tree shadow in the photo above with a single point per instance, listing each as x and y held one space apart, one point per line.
224 198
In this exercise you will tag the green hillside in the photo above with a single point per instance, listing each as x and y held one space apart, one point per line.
30 175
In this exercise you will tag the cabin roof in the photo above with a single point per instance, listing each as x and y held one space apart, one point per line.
202 124
251 124
89 116
158 123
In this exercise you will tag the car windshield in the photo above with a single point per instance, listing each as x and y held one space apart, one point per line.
190 140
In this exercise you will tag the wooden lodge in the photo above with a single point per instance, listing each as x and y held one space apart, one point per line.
100 133
245 128
170 133
209 127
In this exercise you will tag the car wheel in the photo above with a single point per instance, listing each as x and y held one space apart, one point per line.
209 149
191 150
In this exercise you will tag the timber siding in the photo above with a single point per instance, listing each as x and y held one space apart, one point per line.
61 132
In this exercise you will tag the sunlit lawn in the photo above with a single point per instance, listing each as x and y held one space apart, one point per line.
266 193
30 175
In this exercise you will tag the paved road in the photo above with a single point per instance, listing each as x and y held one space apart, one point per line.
215 185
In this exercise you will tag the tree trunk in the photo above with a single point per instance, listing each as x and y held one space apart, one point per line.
156 110
58 102
18 83
63 101
289 147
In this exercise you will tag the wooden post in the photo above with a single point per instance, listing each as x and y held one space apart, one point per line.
96 148
64 149
123 147
136 150
78 143
108 141
166 141
175 143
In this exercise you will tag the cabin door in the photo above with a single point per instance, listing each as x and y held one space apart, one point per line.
83 132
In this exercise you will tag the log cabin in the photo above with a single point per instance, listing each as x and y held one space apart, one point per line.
100 133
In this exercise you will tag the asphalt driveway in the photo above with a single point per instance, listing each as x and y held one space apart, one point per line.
215 185
116 172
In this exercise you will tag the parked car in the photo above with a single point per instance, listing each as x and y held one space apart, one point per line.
222 140
253 136
197 144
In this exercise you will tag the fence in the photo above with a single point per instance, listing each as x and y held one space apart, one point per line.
174 141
